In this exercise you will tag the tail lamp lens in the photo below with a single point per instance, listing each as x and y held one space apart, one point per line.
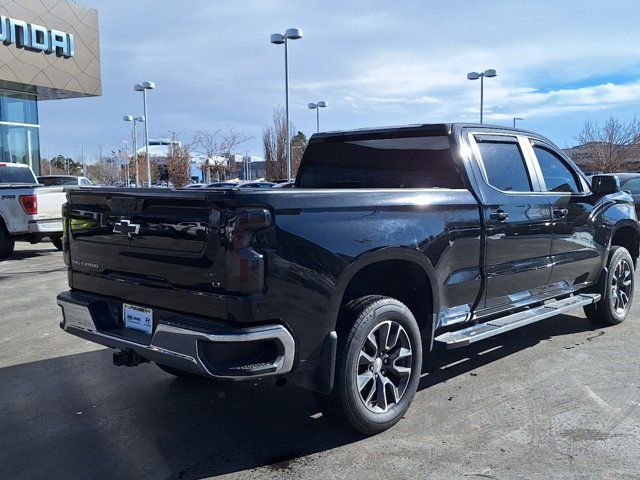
29 204
245 265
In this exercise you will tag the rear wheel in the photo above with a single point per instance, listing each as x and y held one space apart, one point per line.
177 372
7 243
57 242
616 299
378 365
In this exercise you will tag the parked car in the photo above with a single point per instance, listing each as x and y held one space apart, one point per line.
630 182
285 185
394 240
196 185
257 185
222 185
63 181
28 211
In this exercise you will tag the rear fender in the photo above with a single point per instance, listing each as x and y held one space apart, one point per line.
371 257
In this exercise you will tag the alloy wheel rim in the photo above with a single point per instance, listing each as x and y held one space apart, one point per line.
621 286
384 366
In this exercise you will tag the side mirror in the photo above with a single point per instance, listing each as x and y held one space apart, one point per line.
605 184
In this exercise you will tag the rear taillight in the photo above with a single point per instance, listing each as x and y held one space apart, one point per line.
29 204
244 264
248 221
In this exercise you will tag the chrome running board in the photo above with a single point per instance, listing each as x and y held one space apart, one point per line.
475 333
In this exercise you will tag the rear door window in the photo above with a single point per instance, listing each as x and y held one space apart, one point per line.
504 164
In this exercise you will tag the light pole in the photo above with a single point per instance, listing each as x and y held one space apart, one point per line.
317 106
126 163
143 87
490 73
84 169
279 39
138 119
514 120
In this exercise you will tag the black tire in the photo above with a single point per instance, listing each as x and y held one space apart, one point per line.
617 296
7 243
176 372
392 375
57 242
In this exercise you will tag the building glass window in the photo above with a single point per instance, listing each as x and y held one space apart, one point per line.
18 108
19 129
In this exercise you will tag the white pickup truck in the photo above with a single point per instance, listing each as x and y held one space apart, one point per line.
28 211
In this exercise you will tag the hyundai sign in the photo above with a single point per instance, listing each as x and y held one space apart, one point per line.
36 38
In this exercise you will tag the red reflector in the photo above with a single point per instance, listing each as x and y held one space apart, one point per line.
29 204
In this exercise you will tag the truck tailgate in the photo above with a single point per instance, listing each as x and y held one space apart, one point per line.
146 238
50 201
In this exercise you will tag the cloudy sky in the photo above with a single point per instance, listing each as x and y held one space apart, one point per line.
559 63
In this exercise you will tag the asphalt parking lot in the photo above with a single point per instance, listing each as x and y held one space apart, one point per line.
560 399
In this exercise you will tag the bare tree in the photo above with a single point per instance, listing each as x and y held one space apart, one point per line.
274 141
105 171
178 163
610 147
298 145
142 167
216 145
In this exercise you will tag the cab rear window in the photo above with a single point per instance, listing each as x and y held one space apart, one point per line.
366 162
13 174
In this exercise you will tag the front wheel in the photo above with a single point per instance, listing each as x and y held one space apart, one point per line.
378 365
616 299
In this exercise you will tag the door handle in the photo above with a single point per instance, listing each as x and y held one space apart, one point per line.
499 215
560 212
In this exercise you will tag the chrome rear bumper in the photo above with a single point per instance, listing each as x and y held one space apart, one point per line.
184 348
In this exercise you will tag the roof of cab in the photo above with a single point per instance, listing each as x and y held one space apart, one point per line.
403 130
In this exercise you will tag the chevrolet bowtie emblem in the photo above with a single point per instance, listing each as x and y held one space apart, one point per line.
126 228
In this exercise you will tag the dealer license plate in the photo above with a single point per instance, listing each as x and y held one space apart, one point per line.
137 318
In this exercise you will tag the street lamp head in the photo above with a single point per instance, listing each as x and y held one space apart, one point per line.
490 73
151 85
312 106
138 87
473 76
140 119
128 118
322 104
293 33
277 39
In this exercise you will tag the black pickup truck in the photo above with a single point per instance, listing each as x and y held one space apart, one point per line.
394 240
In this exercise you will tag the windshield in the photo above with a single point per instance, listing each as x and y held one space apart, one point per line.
378 162
57 181
12 174
632 185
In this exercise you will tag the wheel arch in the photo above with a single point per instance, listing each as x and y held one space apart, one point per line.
626 233
372 261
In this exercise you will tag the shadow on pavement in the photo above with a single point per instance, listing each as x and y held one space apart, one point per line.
37 250
80 417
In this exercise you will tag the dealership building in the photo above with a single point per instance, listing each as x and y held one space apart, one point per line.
49 50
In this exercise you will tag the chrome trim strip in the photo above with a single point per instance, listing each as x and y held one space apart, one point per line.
181 344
